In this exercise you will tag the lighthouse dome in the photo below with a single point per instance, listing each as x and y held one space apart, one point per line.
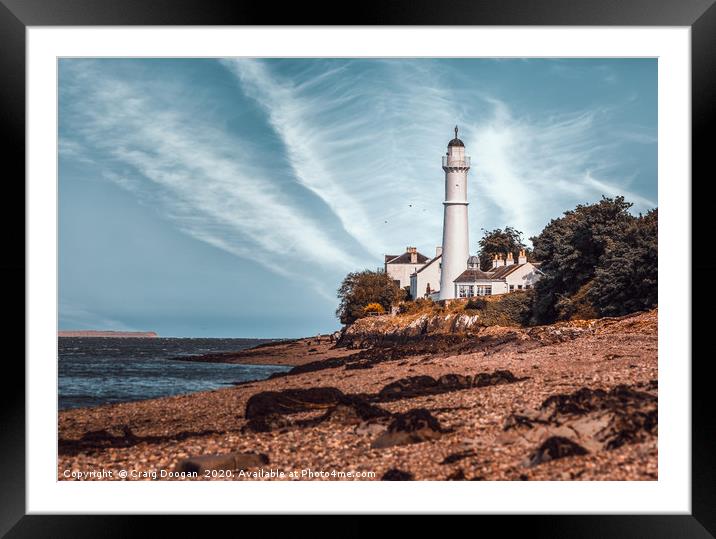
456 141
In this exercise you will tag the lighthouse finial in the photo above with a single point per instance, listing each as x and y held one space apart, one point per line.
455 131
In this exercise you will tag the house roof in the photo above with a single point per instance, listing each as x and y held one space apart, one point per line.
405 259
471 275
498 274
390 257
503 271
429 263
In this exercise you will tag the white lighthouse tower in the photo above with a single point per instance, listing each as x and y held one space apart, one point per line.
455 238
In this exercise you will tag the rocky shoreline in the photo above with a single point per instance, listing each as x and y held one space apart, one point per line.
571 401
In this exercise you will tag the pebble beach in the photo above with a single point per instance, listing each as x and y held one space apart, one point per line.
573 401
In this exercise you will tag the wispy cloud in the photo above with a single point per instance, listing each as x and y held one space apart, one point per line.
197 174
531 170
367 142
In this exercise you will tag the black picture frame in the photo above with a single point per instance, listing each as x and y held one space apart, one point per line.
17 15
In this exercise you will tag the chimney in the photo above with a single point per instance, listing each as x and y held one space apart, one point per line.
413 254
500 261
523 257
510 259
438 251
494 262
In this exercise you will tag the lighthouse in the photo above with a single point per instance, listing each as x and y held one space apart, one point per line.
455 250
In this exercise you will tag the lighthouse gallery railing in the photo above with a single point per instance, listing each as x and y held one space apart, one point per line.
455 163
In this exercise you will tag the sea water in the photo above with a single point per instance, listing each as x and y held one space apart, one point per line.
102 370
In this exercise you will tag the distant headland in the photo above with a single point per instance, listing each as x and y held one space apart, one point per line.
96 333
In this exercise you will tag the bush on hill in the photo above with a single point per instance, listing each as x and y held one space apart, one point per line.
373 308
597 260
359 289
513 309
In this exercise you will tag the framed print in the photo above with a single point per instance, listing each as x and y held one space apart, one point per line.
406 263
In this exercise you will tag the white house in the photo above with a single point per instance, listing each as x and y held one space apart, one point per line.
400 267
505 276
426 280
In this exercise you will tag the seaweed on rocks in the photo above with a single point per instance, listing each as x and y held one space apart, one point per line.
268 423
359 365
290 401
555 447
267 411
414 426
484 379
594 420
456 457
423 345
397 475
411 386
98 440
355 410
458 475
586 400
423 385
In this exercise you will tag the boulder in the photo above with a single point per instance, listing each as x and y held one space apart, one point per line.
227 461
415 426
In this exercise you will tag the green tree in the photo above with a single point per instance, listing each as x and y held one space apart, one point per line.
589 259
501 242
358 289
627 277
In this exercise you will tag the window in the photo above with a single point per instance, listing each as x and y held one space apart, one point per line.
484 290
512 288
528 286
519 287
465 290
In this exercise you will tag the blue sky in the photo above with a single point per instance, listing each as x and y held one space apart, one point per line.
229 197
